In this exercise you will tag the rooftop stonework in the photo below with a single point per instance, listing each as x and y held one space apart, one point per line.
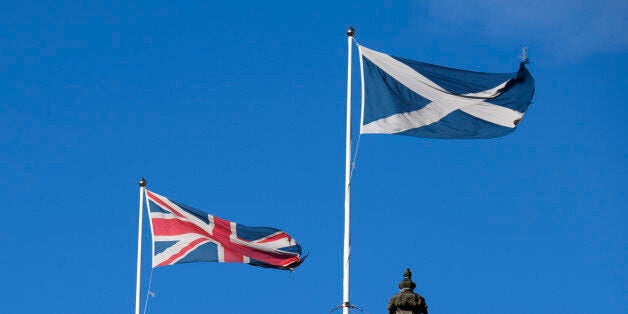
407 301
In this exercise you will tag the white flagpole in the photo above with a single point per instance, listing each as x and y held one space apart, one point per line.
142 184
347 237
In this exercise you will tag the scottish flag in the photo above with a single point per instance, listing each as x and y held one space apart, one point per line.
407 97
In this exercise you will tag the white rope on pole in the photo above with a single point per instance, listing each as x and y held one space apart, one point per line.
357 145
355 156
148 292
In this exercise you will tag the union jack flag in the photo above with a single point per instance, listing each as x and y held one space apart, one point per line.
182 234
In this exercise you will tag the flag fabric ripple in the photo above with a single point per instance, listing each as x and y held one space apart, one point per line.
182 234
407 97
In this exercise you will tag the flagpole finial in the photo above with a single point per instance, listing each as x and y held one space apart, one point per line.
143 182
350 31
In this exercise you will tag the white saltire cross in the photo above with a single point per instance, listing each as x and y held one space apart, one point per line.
442 102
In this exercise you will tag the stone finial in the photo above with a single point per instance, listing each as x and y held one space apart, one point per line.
407 283
407 301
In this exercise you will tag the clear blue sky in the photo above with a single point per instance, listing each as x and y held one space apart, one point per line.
238 108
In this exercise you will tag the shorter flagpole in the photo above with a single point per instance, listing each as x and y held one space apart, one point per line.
142 184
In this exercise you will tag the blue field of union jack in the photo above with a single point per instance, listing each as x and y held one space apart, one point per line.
182 234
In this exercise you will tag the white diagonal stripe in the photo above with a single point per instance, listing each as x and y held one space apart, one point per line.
200 223
161 215
495 114
174 249
272 246
189 251
443 102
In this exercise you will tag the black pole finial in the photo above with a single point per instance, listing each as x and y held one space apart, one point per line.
350 31
143 182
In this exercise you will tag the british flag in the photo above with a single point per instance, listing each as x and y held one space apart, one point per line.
182 234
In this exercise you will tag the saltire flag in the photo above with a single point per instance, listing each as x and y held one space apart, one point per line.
407 97
182 234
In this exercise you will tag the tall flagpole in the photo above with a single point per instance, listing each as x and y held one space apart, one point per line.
346 305
142 184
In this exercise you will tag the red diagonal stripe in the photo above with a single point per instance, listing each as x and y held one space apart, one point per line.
275 237
161 203
182 253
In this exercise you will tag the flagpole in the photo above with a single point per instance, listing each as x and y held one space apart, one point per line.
347 235
142 184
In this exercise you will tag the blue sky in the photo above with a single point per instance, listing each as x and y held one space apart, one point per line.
238 108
